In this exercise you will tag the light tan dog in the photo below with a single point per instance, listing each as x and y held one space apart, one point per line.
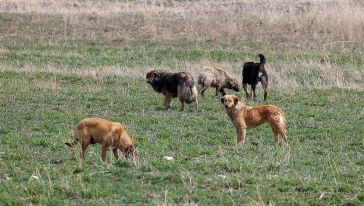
217 78
245 117
108 134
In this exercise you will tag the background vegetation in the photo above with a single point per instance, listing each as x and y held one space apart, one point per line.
61 61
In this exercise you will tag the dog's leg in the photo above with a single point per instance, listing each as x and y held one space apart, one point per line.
280 129
196 105
282 132
246 90
222 91
284 137
84 146
202 91
103 153
253 91
217 91
265 88
115 151
241 134
182 104
275 136
167 101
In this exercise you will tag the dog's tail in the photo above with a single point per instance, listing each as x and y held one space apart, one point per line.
284 127
282 121
262 59
189 92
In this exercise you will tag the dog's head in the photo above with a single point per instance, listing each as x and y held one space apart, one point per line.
153 76
233 84
129 151
229 101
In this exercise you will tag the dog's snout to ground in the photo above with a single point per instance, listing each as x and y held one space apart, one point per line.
108 134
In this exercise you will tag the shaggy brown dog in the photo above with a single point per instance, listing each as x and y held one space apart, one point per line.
252 74
245 117
173 85
96 130
218 78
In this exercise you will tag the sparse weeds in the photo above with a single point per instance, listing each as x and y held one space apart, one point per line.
62 61
207 166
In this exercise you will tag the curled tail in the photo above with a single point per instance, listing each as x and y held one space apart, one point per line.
262 59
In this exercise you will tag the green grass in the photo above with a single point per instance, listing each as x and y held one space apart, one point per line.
41 99
323 164
40 52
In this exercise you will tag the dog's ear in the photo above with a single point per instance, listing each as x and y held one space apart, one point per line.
222 100
156 75
69 145
236 100
129 151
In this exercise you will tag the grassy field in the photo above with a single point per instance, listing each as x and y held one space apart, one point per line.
54 71
322 165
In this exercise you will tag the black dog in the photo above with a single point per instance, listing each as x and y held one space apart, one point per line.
173 85
252 74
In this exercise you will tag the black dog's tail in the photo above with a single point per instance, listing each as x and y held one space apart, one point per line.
262 58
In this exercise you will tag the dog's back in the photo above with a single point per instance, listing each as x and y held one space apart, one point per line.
208 76
91 130
170 82
251 73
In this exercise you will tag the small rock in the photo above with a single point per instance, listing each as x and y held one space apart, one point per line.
169 158
33 177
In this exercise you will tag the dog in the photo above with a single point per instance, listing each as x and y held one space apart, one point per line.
254 73
245 117
108 134
171 85
217 78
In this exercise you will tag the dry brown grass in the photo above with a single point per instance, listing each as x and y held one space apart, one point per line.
282 75
325 24
300 22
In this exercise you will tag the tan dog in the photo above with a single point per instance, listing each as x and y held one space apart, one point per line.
96 130
245 117
218 78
